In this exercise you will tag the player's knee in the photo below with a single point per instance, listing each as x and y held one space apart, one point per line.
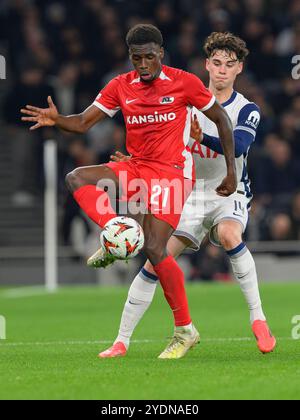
154 251
229 237
74 179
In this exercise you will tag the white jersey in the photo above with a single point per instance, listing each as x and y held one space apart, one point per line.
209 164
204 209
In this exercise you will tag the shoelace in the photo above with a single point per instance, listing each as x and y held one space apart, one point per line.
175 341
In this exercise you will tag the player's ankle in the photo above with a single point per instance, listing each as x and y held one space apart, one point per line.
187 327
123 340
257 315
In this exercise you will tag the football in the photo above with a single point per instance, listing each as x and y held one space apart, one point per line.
122 237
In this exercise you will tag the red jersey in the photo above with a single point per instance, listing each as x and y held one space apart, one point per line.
157 114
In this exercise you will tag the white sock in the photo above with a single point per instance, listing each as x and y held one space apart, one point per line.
186 328
244 270
140 296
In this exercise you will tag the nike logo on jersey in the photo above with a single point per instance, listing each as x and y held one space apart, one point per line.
129 101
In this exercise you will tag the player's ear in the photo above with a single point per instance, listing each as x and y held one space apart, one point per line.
207 64
161 53
241 67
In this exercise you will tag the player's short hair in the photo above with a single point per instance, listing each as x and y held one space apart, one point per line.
143 34
228 42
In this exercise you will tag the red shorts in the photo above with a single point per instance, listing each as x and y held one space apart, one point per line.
158 189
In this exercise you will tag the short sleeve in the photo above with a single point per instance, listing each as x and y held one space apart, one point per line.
197 94
108 98
248 119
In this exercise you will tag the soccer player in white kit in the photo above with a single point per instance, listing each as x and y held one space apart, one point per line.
224 219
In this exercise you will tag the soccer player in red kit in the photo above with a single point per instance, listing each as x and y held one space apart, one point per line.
156 102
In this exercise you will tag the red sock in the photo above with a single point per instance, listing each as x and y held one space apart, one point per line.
95 203
171 278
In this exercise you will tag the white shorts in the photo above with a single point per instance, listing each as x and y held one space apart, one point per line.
203 211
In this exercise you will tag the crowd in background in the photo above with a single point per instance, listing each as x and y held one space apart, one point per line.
71 49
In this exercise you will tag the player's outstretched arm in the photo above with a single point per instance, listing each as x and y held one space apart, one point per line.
219 116
47 117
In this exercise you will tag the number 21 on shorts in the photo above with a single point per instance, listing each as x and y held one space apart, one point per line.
159 197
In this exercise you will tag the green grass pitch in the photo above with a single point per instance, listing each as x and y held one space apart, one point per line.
53 340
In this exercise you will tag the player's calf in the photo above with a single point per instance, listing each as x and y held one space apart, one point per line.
92 197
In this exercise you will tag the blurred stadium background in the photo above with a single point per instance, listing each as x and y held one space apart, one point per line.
70 50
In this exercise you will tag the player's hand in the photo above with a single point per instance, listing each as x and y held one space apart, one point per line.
120 157
228 186
196 130
43 117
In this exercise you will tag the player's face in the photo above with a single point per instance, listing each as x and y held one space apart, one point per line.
223 69
146 60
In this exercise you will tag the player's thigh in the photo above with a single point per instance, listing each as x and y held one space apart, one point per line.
230 218
96 173
138 217
99 175
191 229
233 208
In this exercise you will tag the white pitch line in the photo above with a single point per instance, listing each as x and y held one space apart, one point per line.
74 343
23 292
70 343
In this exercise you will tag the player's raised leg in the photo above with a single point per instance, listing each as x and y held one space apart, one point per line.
140 296
230 236
83 183
93 188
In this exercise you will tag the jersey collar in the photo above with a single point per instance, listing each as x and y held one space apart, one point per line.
231 99
163 76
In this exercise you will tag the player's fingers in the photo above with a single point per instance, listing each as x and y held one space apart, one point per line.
195 125
223 191
30 119
222 194
196 122
34 127
27 112
114 158
33 108
50 102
